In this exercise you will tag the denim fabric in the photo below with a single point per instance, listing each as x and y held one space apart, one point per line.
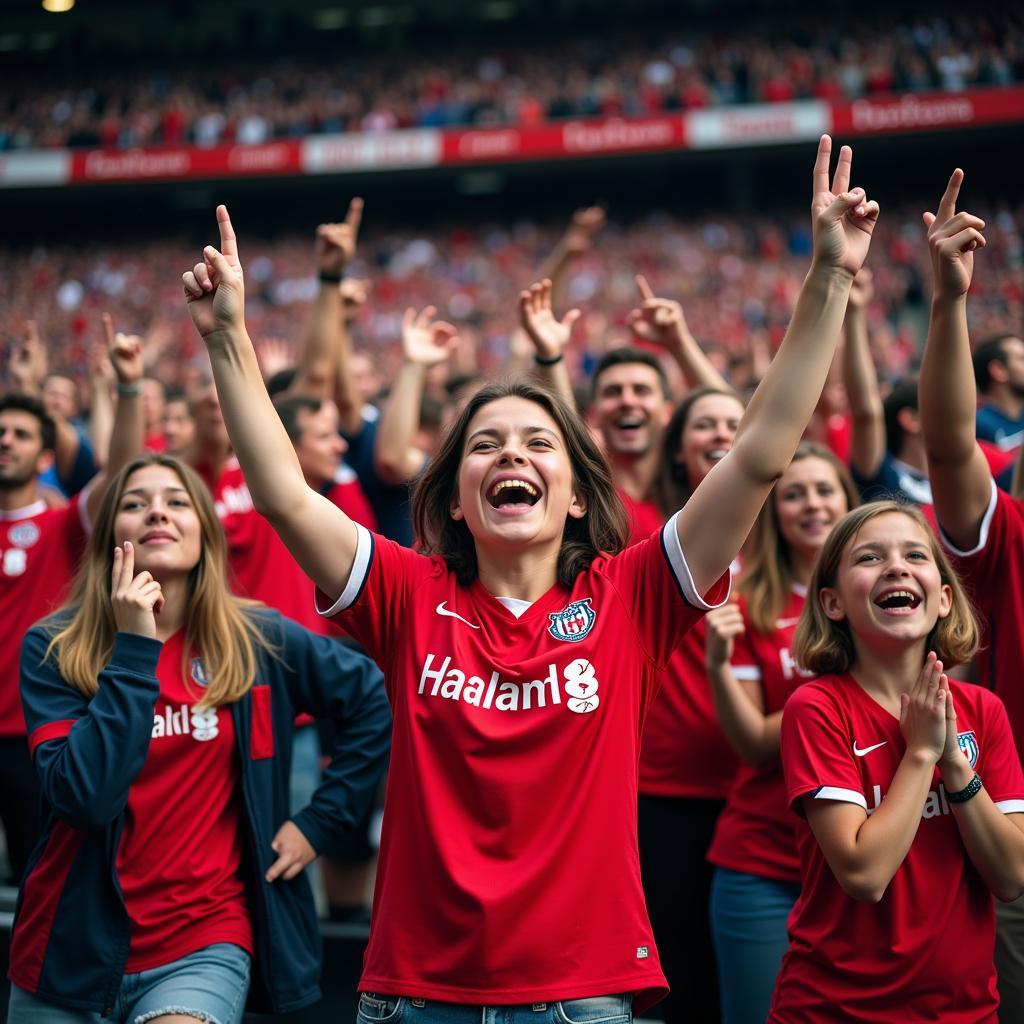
748 924
210 985
382 1009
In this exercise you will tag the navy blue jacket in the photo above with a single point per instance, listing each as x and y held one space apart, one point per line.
71 930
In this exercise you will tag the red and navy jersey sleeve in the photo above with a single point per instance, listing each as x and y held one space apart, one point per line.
372 606
88 752
816 752
654 582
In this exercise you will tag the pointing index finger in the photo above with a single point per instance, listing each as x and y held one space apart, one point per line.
228 242
646 293
108 330
354 215
947 205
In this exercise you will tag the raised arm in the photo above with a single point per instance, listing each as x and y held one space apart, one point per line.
947 396
578 238
127 433
662 322
334 248
321 537
738 703
549 336
425 343
716 520
354 292
101 402
867 442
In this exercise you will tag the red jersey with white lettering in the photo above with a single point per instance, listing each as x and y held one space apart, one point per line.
754 833
179 863
993 572
509 870
347 493
39 551
261 566
924 952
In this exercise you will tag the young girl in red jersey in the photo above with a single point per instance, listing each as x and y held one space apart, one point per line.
686 763
752 671
520 655
908 787
160 712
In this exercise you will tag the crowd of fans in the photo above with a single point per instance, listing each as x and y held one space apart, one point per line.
737 280
251 103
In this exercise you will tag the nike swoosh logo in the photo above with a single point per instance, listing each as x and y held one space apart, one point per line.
441 610
785 623
867 750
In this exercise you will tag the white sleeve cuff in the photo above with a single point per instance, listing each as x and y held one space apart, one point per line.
846 796
986 524
677 560
356 578
1010 806
750 673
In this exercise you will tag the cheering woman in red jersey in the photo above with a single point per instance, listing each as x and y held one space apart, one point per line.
521 653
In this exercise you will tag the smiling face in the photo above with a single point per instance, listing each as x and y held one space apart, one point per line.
630 408
889 588
708 434
809 500
515 483
157 515
319 446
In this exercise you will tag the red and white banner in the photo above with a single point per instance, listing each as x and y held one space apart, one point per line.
728 127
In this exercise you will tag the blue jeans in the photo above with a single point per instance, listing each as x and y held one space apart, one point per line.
376 1009
210 985
748 925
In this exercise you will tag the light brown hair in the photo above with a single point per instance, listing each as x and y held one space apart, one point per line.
604 527
217 625
825 646
767 578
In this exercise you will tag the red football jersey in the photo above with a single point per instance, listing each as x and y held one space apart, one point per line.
509 870
261 566
644 517
924 952
993 572
754 833
39 552
179 863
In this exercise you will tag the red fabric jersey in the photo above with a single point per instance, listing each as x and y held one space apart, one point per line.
155 442
754 833
924 952
261 566
509 870
993 572
645 517
39 551
347 494
180 859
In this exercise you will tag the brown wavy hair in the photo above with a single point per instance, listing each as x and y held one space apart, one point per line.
825 647
767 578
216 621
604 527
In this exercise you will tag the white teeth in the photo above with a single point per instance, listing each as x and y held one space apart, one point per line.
717 453
629 424
891 595
522 484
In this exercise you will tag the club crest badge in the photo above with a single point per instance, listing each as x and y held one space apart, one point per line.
24 535
969 745
198 673
573 622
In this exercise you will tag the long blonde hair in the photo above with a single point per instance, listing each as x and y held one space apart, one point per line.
825 646
217 625
767 578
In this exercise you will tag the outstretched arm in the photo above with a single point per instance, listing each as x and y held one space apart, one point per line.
578 238
959 474
550 338
321 537
867 442
334 249
425 343
662 323
716 520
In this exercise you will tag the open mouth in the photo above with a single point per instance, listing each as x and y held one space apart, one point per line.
511 494
898 602
716 454
629 423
